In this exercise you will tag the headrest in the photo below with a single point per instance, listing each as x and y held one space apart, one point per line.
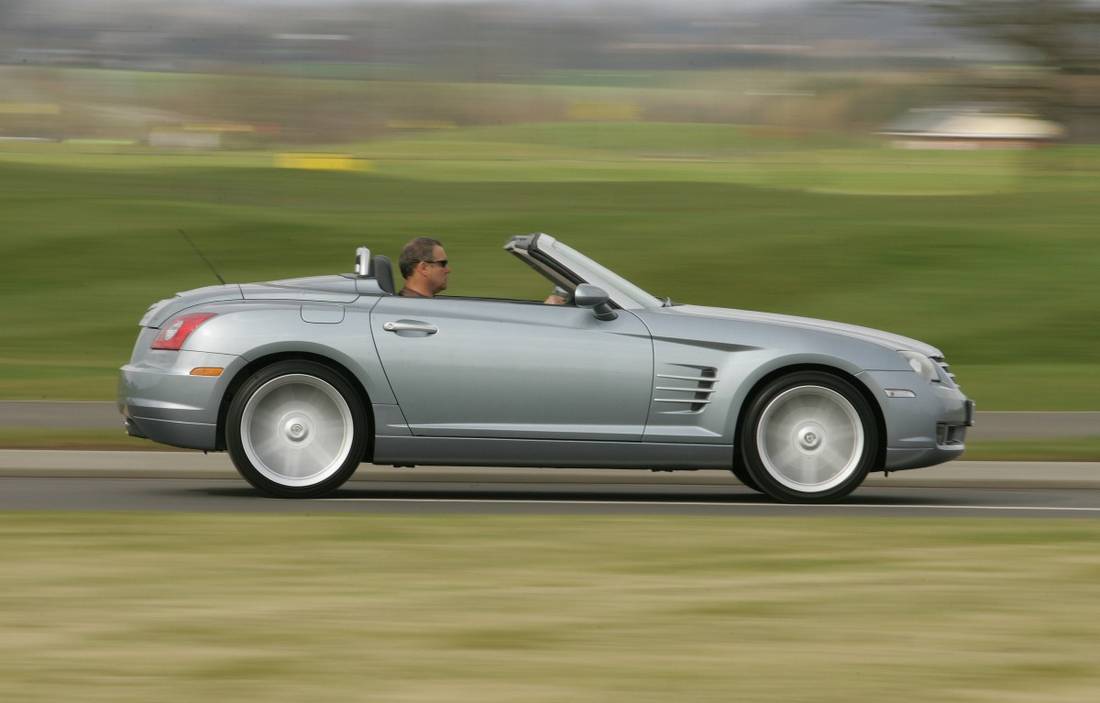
382 270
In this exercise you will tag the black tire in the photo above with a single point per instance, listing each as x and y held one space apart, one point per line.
297 429
742 473
809 437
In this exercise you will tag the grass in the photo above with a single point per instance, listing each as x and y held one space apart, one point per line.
1033 386
133 607
1061 449
991 257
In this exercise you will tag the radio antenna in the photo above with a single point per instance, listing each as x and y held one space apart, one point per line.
207 261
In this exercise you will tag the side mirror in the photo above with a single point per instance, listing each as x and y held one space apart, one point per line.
587 295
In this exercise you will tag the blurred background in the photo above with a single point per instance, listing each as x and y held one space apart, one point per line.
928 167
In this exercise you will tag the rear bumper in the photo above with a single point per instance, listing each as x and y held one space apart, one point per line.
161 401
923 431
192 435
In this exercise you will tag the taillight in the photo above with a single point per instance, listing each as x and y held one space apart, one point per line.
174 335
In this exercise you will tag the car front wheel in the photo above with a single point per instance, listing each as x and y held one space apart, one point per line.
296 429
809 437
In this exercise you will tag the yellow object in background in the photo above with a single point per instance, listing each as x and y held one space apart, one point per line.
29 109
322 162
604 112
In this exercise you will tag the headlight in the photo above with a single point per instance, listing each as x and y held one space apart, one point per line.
921 365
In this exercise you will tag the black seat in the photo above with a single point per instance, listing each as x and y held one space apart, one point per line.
382 270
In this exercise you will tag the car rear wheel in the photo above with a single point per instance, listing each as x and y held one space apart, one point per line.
296 429
809 437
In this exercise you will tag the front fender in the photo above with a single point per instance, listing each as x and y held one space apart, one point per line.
775 365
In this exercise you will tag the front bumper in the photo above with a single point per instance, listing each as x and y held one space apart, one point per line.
926 430
161 401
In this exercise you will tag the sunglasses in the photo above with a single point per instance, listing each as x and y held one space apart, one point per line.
442 263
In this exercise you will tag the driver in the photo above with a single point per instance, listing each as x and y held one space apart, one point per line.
423 264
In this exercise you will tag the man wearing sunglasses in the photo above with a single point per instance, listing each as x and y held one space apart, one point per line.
423 264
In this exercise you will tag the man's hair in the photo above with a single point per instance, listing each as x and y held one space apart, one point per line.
417 250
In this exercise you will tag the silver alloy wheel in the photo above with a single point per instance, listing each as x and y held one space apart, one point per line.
297 430
810 438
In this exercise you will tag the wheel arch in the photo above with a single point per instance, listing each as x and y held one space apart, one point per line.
268 359
869 396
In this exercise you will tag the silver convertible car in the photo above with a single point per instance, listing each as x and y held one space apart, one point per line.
302 380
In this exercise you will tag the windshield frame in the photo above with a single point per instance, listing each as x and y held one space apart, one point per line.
625 294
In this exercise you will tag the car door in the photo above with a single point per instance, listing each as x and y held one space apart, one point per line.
491 368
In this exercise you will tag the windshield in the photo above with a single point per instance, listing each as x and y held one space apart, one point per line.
622 291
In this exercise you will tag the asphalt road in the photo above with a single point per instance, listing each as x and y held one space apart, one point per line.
988 425
548 491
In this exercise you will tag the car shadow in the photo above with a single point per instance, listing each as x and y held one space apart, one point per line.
741 496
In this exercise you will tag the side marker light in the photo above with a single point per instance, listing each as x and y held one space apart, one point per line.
207 371
900 393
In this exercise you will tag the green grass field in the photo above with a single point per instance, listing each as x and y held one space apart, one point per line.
486 609
990 256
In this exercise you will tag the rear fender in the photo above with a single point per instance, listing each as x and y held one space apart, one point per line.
255 332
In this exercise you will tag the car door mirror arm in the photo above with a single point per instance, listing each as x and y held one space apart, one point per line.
589 296
605 312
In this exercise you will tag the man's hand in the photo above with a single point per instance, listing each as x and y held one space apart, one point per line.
560 296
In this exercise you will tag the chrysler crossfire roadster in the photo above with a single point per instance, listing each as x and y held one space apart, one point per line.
303 380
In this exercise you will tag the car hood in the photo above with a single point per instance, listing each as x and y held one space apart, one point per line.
886 339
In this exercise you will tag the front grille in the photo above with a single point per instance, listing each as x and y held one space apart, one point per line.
946 377
950 435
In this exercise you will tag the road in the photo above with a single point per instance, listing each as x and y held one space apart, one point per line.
191 482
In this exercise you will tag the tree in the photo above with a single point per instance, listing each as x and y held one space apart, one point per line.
1061 35
1061 38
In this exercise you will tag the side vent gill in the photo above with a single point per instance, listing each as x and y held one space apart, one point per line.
686 388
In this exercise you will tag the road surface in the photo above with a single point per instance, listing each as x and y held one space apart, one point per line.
170 481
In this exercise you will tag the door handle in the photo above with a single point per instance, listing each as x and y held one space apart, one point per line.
409 326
